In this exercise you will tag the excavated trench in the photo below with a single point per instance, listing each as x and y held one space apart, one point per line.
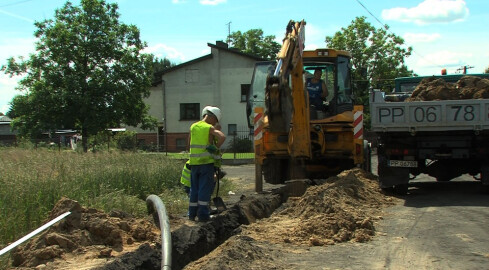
91 239
301 213
193 241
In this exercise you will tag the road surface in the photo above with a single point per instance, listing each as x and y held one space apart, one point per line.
436 226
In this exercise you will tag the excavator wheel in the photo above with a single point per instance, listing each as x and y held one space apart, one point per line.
392 179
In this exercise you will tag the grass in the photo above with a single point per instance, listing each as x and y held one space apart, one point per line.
32 181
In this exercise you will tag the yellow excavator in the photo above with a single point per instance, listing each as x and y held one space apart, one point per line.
294 139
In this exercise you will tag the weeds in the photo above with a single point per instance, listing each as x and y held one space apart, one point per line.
32 181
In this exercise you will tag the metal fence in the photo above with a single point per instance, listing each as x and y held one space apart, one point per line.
240 143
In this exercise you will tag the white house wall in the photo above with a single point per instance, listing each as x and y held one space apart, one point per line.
155 103
222 89
212 80
235 71
178 90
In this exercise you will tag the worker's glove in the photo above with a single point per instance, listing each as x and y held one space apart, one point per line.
212 149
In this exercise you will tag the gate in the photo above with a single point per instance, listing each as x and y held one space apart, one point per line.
241 144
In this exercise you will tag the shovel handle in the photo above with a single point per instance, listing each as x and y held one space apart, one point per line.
218 174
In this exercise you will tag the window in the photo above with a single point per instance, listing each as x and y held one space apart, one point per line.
344 80
189 111
191 75
232 129
181 144
245 89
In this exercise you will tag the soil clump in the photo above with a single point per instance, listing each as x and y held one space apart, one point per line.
468 87
84 239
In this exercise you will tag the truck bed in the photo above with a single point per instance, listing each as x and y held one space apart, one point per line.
419 116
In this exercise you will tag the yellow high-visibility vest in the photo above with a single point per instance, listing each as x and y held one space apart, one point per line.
199 140
185 179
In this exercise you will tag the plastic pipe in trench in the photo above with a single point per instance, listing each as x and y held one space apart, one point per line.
154 203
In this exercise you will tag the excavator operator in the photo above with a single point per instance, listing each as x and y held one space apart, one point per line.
317 90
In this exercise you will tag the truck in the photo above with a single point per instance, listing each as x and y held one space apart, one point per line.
404 86
442 138
292 138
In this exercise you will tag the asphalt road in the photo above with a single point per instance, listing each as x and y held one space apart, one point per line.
436 226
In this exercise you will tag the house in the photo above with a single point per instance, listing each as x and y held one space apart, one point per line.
221 78
7 136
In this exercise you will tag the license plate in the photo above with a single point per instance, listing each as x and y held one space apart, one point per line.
403 163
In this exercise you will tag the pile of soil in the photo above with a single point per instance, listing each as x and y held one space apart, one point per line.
342 208
86 237
468 87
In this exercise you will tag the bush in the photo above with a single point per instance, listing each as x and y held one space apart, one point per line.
101 141
241 145
126 140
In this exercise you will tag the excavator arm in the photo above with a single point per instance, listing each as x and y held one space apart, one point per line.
286 101
288 143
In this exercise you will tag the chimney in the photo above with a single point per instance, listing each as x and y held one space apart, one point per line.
221 44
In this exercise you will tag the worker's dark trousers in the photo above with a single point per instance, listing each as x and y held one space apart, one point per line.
201 187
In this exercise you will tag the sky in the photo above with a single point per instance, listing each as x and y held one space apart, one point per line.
446 34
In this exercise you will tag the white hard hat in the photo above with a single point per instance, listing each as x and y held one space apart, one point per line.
204 110
214 110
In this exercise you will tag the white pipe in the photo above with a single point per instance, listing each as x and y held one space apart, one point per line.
38 230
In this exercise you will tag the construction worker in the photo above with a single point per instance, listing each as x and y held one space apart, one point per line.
317 90
185 178
203 154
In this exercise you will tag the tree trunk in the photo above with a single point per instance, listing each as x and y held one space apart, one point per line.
85 140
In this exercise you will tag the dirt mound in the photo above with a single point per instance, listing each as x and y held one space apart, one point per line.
339 209
468 87
85 235
342 209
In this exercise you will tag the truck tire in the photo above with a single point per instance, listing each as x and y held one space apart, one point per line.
401 189
392 179
274 171
485 178
367 157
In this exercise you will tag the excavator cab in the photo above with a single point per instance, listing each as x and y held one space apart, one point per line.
337 78
335 74
256 95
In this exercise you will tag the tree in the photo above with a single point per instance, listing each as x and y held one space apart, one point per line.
377 56
487 70
88 73
161 64
252 42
